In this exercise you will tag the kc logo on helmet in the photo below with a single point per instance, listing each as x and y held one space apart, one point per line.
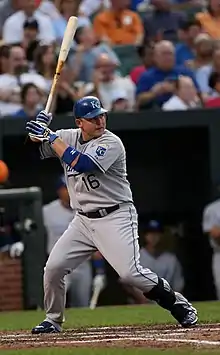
95 104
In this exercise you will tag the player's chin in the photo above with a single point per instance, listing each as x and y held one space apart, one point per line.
99 132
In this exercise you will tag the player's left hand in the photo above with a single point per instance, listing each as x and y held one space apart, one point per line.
99 281
38 131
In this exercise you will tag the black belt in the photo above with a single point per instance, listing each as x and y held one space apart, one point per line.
100 213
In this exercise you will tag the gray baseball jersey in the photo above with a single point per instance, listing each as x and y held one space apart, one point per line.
104 187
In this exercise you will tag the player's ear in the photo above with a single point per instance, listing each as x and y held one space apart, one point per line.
78 122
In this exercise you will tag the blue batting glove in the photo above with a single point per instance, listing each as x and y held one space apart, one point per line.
40 132
44 118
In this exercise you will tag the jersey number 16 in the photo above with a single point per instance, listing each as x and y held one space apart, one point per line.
90 182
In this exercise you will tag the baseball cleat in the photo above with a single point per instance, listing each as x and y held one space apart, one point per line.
44 328
184 312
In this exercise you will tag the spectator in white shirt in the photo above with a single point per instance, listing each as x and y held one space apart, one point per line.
13 30
88 7
12 81
68 8
185 95
107 80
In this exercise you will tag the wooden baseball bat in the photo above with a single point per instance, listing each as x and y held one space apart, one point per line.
64 50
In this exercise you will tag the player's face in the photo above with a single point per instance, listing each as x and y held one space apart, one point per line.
93 127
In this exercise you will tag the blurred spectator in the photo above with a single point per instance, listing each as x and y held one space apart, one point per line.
203 74
154 87
119 101
162 22
82 62
12 81
145 53
185 96
13 29
31 102
89 8
57 216
164 263
203 46
211 226
7 8
4 59
45 63
67 8
107 81
119 25
185 50
214 84
30 41
67 94
210 19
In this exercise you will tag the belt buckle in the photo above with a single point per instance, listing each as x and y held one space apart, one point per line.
103 212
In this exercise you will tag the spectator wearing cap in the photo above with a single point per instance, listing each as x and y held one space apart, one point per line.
154 87
119 101
162 22
12 81
145 52
185 50
57 216
210 19
85 53
185 96
203 48
203 74
107 80
31 100
164 263
30 41
13 29
119 25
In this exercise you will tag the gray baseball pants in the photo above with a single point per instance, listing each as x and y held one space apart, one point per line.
115 236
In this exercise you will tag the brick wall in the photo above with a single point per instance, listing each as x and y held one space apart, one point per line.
11 288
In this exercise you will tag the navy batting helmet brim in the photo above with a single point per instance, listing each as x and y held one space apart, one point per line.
94 113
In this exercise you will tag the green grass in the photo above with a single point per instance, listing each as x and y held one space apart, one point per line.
107 316
110 351
209 312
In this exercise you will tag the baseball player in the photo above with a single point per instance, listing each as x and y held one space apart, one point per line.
94 163
211 227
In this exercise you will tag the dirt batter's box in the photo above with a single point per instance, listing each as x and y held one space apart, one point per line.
27 202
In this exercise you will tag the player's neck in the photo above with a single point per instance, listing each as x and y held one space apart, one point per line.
84 138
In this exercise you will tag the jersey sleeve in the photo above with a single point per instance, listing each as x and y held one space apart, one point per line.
104 152
69 136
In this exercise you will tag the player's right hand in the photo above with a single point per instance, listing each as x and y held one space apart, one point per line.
44 118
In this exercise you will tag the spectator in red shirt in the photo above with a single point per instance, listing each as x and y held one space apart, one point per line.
145 53
214 84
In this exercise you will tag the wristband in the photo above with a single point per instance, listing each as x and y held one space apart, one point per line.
52 137
69 155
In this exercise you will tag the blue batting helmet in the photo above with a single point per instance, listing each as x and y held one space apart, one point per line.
88 107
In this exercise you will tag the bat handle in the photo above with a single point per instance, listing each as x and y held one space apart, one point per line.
49 103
